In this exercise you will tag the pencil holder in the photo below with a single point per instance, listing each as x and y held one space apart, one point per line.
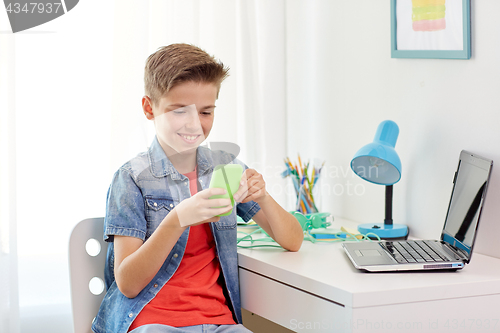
306 189
308 198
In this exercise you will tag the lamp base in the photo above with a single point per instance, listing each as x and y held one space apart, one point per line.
384 231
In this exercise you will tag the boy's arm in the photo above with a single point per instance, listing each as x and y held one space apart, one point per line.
282 226
137 262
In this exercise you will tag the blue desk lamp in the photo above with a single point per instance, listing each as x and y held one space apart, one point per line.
378 163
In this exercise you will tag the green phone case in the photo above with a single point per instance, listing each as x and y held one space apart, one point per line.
226 176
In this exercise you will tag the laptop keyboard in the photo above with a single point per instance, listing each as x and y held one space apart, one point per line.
413 252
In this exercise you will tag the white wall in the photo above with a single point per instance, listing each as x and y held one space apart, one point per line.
342 83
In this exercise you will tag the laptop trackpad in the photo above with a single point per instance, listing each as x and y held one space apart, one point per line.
368 253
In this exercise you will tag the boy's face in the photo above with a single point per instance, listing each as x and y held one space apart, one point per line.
183 117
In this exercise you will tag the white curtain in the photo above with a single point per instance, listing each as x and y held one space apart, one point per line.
261 84
71 115
9 302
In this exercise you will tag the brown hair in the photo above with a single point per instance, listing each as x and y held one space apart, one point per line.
178 63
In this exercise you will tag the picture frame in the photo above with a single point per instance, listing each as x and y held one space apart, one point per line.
434 29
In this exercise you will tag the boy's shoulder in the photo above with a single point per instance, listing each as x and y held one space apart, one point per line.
152 163
136 165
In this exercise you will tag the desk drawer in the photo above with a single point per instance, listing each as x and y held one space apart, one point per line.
290 307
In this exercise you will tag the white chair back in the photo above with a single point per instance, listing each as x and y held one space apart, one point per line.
87 258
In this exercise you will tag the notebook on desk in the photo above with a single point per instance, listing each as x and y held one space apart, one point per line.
454 249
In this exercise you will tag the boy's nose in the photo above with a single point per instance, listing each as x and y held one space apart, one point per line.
193 120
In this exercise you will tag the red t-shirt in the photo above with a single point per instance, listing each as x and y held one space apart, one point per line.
194 294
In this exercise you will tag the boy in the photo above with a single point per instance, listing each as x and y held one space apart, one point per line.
168 269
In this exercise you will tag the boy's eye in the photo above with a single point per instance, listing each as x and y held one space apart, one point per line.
207 112
179 110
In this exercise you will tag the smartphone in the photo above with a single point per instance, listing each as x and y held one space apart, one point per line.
228 177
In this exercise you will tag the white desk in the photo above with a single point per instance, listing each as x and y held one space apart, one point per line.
318 289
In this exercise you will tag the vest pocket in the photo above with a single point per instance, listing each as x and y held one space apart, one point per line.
157 204
156 209
227 222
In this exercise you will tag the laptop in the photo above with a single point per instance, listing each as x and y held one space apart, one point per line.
454 249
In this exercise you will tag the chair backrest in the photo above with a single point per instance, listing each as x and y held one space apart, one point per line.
87 258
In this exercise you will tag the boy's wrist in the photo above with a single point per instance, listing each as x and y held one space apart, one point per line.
263 200
172 221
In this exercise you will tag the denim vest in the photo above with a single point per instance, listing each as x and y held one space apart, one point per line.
142 193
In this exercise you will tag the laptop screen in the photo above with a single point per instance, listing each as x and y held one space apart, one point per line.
471 180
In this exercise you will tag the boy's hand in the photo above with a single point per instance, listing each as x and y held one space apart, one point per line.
252 187
200 209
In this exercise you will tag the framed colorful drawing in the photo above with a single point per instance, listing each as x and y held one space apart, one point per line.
438 29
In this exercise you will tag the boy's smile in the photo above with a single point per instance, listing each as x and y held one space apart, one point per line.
183 117
189 138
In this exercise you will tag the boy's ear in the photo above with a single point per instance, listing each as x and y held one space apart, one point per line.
147 107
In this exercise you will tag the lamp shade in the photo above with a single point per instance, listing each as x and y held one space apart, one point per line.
378 162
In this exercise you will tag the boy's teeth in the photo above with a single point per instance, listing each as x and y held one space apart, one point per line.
190 137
